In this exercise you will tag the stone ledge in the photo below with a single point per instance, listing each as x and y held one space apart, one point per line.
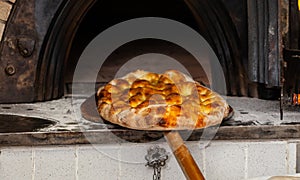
254 119
116 136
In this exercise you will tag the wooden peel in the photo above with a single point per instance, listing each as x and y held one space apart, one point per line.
180 151
183 156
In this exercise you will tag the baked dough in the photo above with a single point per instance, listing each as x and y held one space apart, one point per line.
169 101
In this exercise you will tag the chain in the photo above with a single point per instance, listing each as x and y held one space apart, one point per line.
156 158
157 172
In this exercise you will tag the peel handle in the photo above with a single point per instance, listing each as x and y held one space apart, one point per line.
183 156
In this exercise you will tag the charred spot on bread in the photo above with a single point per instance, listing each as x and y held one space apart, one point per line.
172 100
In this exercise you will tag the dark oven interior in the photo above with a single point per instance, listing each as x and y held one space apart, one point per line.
256 42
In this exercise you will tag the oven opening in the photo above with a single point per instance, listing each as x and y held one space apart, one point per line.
249 54
210 19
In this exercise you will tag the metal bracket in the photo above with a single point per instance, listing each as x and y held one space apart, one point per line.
26 46
156 155
156 158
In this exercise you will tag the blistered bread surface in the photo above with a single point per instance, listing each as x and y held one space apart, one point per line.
151 101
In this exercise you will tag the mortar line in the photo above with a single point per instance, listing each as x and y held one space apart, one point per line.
289 158
33 163
76 163
8 2
246 151
3 22
204 160
119 164
286 158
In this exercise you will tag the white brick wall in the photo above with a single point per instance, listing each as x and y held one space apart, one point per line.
225 160
220 160
96 163
267 159
291 158
16 163
54 163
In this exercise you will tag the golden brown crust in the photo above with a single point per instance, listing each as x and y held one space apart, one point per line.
150 101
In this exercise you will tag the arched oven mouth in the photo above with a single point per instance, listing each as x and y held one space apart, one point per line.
43 41
57 36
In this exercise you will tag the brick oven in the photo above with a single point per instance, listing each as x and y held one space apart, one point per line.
257 43
41 41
